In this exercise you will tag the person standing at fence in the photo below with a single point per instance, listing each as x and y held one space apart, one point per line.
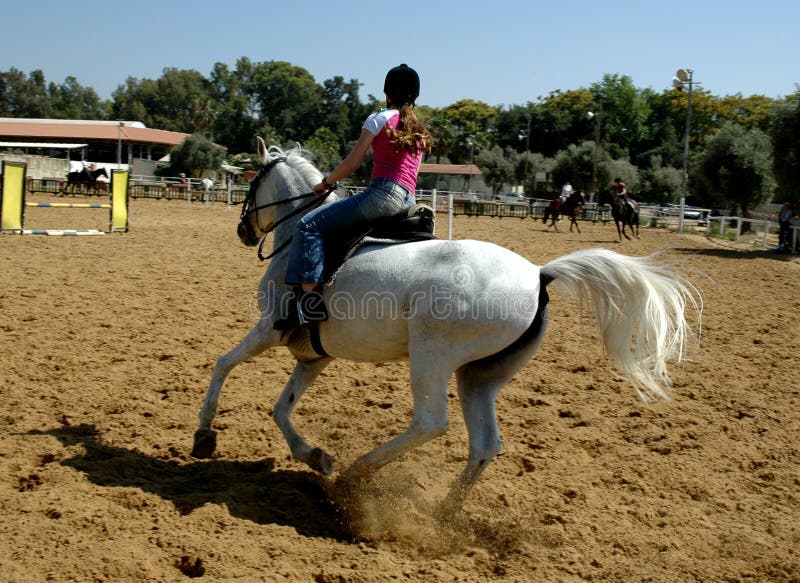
785 216
398 140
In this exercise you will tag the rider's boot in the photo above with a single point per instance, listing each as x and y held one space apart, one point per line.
304 307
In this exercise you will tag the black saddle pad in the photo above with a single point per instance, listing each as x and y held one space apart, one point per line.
412 224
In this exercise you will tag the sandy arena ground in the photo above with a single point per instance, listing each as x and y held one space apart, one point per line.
107 345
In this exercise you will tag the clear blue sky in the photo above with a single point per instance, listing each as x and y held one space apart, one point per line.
499 52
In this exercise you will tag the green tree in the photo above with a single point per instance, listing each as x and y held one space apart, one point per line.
324 144
70 100
496 168
611 169
195 154
752 112
660 184
168 103
24 96
560 120
784 130
205 113
288 99
625 113
512 125
527 166
471 121
662 139
442 130
735 167
342 110
234 124
575 163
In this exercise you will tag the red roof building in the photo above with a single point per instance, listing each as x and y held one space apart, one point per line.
120 142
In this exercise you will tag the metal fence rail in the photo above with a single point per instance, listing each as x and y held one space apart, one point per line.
762 232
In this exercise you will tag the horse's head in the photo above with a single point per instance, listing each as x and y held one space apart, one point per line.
101 172
275 190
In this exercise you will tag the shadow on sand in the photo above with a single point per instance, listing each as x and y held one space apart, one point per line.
251 490
725 253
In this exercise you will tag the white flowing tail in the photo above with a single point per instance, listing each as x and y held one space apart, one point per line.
639 305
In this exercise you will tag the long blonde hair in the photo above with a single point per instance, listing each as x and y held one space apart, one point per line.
411 134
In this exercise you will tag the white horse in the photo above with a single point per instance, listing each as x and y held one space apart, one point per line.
465 307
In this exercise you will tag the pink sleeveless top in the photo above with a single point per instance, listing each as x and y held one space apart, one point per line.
397 165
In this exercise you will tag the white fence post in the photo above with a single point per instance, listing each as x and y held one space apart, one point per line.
433 204
450 216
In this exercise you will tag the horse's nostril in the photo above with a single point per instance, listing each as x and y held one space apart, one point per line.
246 235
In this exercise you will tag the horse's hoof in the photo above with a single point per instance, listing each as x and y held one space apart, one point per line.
205 442
320 461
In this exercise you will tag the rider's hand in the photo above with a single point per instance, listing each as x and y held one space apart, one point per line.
323 187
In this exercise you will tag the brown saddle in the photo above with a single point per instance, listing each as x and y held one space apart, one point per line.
414 223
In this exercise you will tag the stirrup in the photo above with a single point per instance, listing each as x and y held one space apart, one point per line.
311 307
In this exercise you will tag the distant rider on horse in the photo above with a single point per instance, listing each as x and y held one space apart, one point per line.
623 194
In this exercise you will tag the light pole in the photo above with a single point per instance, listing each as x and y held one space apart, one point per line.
469 177
597 115
685 77
527 136
119 146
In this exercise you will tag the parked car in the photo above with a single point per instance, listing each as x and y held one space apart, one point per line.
674 210
511 197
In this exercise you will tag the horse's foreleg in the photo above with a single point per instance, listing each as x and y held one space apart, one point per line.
257 341
303 375
621 230
429 419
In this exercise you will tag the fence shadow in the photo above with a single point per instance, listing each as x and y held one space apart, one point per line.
255 491
739 253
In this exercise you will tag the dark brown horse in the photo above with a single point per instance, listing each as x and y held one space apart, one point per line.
569 209
622 213
84 177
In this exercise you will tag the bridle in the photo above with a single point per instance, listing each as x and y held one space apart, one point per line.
249 206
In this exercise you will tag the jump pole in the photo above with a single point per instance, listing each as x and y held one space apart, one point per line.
13 204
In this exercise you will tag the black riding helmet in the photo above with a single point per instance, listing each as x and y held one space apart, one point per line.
401 85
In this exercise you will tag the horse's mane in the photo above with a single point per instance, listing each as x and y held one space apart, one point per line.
300 160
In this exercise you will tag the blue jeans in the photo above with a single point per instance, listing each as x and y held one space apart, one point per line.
382 198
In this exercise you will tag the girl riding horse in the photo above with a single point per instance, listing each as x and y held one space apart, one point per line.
398 141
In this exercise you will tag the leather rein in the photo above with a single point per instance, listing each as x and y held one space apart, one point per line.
250 207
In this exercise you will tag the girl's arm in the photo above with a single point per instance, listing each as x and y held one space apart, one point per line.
349 164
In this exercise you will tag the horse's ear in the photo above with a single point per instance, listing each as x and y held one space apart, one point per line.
262 150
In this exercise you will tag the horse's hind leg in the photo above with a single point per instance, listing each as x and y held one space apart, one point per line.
477 395
257 341
479 383
303 375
